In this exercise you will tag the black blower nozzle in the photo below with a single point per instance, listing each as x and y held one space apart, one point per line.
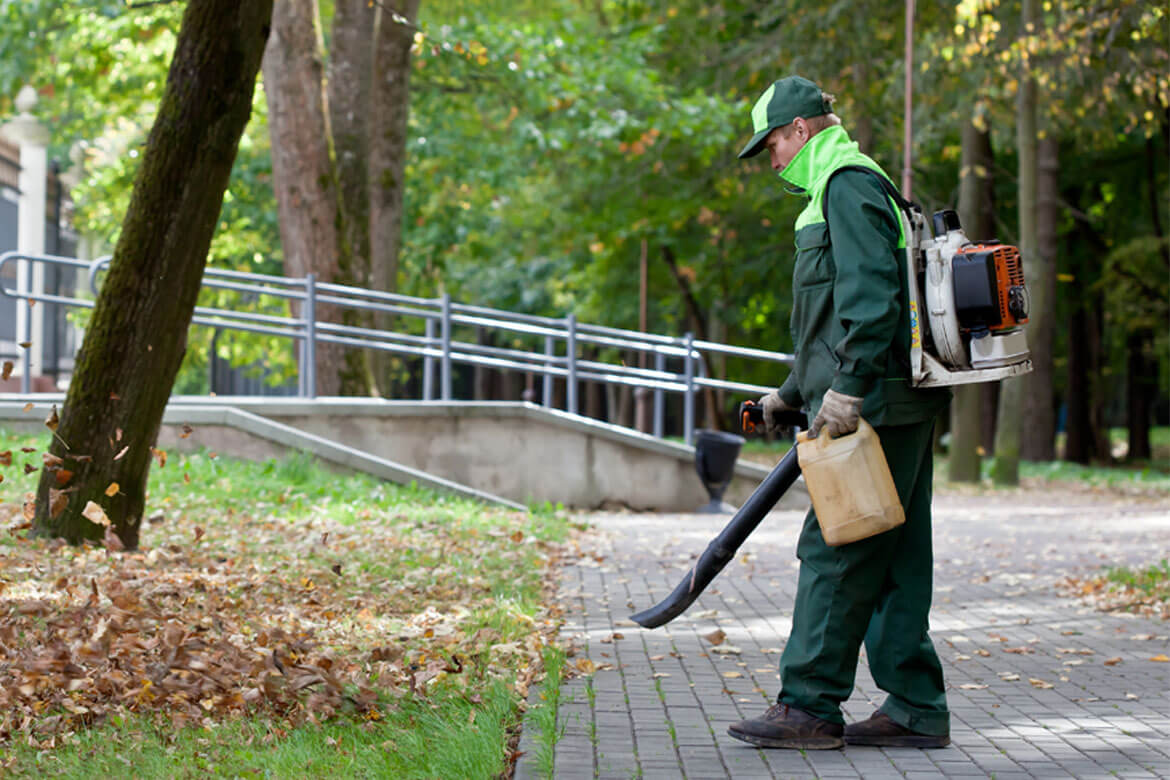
724 546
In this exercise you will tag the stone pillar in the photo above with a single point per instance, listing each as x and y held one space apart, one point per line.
33 139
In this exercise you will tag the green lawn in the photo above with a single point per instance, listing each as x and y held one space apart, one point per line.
279 620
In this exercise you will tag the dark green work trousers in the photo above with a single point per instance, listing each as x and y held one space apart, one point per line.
877 590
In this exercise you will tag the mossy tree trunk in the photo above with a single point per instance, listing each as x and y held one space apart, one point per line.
303 175
138 332
389 101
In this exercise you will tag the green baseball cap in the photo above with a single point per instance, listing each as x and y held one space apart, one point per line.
785 100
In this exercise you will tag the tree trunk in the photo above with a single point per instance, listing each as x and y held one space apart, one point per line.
698 327
1141 389
1038 435
1006 468
137 335
1142 362
350 72
302 172
977 214
1078 439
389 104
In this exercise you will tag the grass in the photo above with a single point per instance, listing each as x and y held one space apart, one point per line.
542 718
430 604
1152 580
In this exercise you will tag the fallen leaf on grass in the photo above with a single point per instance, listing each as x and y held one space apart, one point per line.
160 456
6 458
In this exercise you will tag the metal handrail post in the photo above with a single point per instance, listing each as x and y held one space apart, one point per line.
310 335
689 400
571 348
659 398
24 286
445 336
429 364
549 351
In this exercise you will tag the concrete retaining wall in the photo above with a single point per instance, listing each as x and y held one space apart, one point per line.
515 452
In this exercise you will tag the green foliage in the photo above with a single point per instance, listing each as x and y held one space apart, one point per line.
1151 579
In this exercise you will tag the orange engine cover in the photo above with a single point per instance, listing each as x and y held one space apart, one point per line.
1006 280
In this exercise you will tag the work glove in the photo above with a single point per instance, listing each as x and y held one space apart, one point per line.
773 406
839 415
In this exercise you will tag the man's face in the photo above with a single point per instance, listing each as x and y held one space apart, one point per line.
783 149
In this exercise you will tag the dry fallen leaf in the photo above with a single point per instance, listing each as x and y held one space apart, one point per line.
972 686
732 675
6 458
63 477
716 637
1114 661
726 650
161 455
52 421
121 452
1009 676
58 500
585 666
112 489
1038 683
7 370
111 541
95 514
1161 658
186 431
27 407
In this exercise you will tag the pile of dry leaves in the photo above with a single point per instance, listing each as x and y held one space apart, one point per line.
190 630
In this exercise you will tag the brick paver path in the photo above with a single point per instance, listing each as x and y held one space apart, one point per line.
1039 684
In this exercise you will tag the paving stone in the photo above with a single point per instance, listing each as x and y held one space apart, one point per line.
997 559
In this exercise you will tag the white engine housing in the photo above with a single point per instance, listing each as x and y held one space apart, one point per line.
991 357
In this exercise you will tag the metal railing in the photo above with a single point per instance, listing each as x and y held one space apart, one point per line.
562 338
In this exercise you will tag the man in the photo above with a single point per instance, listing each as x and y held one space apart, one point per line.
851 331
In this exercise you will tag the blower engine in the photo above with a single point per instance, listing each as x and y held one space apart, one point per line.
974 301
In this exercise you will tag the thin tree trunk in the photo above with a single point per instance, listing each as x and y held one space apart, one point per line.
1078 439
350 73
698 326
1006 468
138 333
302 172
1038 435
976 212
1142 363
389 106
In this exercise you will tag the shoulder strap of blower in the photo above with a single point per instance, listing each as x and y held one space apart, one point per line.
887 186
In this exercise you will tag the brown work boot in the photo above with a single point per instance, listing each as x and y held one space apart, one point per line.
880 730
787 727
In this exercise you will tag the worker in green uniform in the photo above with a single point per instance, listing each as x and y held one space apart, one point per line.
851 331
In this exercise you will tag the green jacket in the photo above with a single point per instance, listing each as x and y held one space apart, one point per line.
850 313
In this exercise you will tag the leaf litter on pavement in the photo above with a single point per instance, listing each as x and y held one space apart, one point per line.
273 600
